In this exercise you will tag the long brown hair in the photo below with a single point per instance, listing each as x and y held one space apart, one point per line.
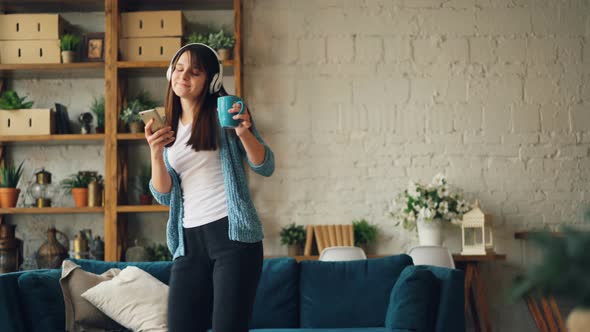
205 126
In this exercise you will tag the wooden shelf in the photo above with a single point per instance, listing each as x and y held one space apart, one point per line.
134 5
142 208
49 6
51 210
155 64
52 138
52 66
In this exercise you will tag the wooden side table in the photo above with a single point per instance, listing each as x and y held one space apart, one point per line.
544 310
475 295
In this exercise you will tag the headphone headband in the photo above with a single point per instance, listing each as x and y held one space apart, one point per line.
216 81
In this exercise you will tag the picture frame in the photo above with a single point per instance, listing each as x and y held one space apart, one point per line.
93 49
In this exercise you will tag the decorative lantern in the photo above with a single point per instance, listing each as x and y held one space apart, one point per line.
476 232
42 190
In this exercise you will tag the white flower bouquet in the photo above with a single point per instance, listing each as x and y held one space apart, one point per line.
428 203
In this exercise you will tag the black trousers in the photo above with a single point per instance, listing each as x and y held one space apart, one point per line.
215 283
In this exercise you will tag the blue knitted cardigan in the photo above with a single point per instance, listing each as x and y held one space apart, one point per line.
244 224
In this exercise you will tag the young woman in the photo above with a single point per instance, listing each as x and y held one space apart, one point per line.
213 230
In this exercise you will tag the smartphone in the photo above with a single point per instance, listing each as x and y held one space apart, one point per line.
147 115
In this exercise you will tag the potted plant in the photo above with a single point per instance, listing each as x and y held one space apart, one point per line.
427 207
143 185
198 38
158 252
97 107
365 234
562 271
9 178
77 185
293 236
130 114
11 101
222 43
68 45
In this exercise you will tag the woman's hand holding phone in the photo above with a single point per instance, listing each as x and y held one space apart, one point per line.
159 139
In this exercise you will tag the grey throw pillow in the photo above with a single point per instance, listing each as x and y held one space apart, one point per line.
81 315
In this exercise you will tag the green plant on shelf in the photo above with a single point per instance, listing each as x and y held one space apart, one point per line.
292 234
69 42
364 233
198 38
97 107
140 103
11 101
9 175
158 252
220 40
76 181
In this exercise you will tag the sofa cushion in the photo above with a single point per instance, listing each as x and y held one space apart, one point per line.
42 300
413 304
277 297
348 294
133 298
81 314
160 270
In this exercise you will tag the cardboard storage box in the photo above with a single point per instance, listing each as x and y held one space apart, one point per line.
34 121
149 49
29 51
31 26
167 23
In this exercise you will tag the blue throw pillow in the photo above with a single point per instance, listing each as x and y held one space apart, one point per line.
160 270
348 294
277 297
413 304
42 300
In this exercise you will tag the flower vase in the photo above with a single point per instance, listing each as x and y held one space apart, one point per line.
135 127
430 233
294 250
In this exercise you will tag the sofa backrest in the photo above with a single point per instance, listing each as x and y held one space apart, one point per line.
277 297
348 294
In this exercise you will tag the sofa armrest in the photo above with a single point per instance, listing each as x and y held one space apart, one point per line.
451 308
11 316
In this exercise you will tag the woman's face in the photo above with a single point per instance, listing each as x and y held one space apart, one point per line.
187 82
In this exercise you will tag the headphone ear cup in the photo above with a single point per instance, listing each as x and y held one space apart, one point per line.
169 73
213 87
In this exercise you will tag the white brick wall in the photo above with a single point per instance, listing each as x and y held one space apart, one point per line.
496 94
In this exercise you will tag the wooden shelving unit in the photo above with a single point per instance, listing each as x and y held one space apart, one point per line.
115 74
51 210
141 208
52 138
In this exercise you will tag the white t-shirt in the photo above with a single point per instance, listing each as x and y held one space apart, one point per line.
201 180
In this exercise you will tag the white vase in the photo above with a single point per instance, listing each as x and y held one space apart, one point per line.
67 56
430 233
578 320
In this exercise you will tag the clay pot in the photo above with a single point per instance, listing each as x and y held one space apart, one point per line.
8 197
294 250
80 196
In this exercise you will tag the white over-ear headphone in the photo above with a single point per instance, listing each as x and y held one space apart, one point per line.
216 81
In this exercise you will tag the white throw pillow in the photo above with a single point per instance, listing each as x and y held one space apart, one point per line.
134 299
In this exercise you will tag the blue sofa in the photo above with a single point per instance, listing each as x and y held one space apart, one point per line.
374 295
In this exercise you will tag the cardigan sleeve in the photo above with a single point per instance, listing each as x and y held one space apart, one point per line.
162 198
267 167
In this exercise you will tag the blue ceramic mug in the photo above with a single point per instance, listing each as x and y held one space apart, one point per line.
224 104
